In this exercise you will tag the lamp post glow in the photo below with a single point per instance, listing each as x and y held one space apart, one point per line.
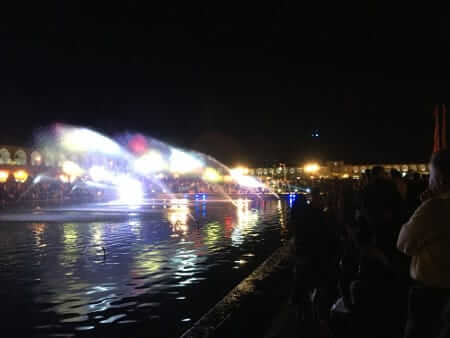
20 176
3 176
311 168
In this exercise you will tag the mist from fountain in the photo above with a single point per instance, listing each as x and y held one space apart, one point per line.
90 159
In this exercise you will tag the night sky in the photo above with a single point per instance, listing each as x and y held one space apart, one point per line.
246 82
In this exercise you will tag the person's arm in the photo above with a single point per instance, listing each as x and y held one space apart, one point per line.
418 229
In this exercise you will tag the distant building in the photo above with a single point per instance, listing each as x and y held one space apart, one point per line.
335 169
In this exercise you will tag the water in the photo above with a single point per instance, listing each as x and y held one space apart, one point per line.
144 274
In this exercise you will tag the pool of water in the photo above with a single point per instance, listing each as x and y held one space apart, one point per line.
150 273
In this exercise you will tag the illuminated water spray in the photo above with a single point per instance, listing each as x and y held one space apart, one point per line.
90 159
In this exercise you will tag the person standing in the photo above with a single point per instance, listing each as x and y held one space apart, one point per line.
426 239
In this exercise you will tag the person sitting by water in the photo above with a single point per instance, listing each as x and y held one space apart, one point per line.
426 239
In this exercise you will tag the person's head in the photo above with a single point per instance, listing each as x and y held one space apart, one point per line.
378 172
395 174
439 180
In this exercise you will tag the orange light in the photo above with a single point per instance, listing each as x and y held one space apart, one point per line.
20 176
311 168
3 176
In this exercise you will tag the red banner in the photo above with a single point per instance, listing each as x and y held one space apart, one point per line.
444 128
436 145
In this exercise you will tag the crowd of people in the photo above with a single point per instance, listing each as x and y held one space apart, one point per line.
54 190
373 256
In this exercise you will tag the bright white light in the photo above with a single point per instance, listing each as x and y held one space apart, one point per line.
71 168
130 190
182 163
239 171
99 173
243 180
149 163
250 182
81 140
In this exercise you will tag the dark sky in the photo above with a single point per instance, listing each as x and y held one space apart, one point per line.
243 81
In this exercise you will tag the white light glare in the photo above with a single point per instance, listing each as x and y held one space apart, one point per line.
150 162
182 163
244 180
99 173
130 190
82 140
72 169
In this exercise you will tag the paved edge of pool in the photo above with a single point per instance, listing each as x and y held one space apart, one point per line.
246 292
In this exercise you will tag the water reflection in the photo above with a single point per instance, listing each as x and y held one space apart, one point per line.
178 215
38 233
90 275
246 220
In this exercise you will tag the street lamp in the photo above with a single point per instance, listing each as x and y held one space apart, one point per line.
311 168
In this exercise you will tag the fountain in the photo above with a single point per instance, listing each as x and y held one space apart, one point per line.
130 174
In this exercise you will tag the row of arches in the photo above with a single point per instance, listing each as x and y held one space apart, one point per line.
21 157
49 158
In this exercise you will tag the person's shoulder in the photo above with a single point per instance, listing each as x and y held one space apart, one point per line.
432 205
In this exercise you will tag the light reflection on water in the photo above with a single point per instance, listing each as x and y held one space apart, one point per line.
78 277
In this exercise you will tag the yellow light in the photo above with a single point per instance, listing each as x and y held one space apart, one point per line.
178 215
20 176
345 176
3 176
211 175
227 178
311 168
